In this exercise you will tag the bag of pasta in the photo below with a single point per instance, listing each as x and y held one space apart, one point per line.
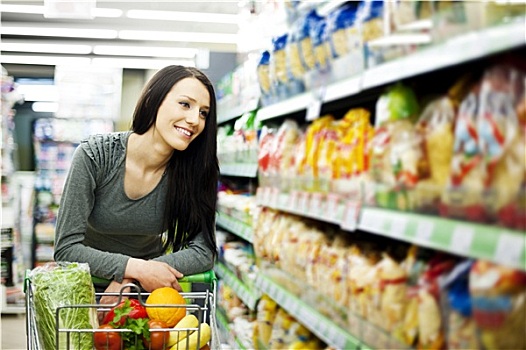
498 295
502 141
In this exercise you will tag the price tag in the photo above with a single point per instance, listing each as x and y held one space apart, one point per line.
509 249
424 230
332 203
350 215
303 204
274 197
313 110
398 226
461 239
315 204
293 199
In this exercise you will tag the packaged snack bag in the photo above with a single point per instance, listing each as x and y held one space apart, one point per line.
266 141
351 159
502 142
282 154
278 67
320 43
340 22
266 316
370 19
264 80
314 138
460 327
435 127
395 157
464 190
393 297
326 154
498 296
430 320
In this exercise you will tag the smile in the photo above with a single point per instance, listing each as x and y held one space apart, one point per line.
184 131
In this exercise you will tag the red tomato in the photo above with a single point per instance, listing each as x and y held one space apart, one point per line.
107 340
158 339
131 308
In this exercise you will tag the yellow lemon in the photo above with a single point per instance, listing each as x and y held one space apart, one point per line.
169 315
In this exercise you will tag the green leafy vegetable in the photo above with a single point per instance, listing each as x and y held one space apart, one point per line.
64 284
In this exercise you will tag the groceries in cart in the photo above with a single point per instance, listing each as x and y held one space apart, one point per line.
63 312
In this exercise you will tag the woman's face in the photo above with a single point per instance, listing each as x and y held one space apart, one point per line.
182 115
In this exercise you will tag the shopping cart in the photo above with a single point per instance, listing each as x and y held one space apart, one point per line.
200 304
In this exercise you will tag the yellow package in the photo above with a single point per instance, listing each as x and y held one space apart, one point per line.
266 314
498 299
314 135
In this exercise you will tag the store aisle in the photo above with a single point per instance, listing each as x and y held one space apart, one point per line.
13 332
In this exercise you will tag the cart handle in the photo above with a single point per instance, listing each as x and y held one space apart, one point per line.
203 277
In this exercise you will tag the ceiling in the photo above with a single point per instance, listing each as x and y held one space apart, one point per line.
60 28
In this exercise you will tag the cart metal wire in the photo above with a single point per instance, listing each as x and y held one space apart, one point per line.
200 304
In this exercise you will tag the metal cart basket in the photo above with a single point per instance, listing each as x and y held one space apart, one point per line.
200 304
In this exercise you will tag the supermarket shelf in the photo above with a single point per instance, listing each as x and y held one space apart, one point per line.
323 327
291 105
239 169
327 208
493 243
501 245
235 226
234 113
248 296
234 341
456 50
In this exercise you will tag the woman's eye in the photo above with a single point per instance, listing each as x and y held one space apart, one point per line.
185 104
204 114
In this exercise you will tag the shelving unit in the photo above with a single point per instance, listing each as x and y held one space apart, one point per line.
235 226
239 169
55 140
248 296
462 238
454 51
493 243
12 263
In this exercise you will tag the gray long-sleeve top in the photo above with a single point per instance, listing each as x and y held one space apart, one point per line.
100 225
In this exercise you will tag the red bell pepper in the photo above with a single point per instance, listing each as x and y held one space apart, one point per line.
131 308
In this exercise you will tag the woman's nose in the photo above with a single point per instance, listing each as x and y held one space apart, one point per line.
192 117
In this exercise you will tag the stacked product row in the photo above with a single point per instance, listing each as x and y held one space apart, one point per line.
322 48
460 154
422 298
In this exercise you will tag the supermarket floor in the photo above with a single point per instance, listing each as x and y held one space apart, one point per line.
13 332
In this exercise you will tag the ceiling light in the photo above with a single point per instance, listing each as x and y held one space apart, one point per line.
45 107
38 92
47 48
146 51
61 32
140 63
39 10
30 9
184 16
44 60
179 36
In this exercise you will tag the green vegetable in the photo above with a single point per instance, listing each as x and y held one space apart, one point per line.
63 284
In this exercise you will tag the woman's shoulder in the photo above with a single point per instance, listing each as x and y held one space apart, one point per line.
106 148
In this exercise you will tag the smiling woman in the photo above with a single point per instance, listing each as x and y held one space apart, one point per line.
140 205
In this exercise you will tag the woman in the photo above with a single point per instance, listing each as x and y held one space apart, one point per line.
139 206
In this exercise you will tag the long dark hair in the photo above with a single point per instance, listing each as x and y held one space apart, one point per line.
193 173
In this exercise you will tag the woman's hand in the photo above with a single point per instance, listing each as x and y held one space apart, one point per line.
114 287
153 274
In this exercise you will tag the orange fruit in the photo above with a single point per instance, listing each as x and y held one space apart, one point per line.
169 315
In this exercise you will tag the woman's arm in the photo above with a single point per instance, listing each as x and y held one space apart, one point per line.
78 199
196 258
